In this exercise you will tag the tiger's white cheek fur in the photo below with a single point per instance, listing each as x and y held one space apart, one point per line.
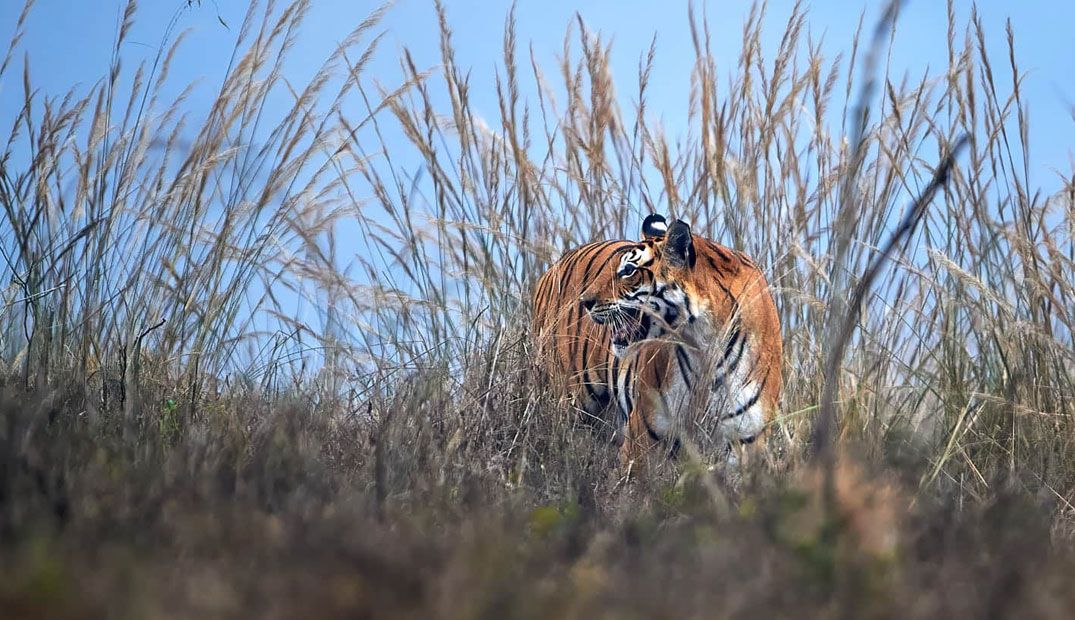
636 257
672 294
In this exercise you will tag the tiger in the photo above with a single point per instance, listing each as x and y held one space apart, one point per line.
571 349
695 342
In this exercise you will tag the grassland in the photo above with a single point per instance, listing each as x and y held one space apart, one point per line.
175 442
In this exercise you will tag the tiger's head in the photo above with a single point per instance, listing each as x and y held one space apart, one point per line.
645 297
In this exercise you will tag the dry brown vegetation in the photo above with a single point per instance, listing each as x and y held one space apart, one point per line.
175 442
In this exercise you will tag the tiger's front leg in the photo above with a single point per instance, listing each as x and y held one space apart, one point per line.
639 444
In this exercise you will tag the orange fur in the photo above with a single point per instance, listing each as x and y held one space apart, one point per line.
719 331
659 315
571 349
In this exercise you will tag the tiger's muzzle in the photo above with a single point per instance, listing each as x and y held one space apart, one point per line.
629 324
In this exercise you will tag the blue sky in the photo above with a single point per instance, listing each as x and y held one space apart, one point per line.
69 42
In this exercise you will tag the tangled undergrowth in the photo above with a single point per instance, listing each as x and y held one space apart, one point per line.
267 509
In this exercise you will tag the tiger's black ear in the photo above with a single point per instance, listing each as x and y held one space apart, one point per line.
654 226
678 245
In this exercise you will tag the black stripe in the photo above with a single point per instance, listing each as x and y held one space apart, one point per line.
539 294
670 315
750 403
652 255
639 293
727 292
684 365
628 249
593 255
731 343
578 309
728 366
719 251
596 254
739 354
747 440
568 267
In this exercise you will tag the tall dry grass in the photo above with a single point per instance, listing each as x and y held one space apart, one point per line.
398 456
766 169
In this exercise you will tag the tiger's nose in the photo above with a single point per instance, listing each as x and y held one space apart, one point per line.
588 303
